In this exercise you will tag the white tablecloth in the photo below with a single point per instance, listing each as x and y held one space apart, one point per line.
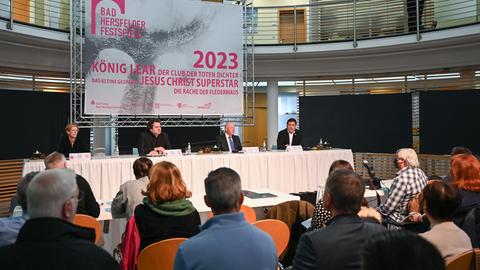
281 171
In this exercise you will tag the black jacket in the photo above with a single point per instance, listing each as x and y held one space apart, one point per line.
223 144
51 243
282 139
65 147
148 142
336 246
154 227
87 204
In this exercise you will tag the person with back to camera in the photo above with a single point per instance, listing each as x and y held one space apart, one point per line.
165 212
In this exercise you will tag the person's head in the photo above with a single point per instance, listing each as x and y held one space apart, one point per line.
229 128
440 201
166 184
71 130
53 193
340 164
22 189
457 150
400 250
55 161
141 167
343 192
291 125
223 190
465 172
154 126
406 157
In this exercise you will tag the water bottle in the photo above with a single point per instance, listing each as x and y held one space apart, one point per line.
116 153
189 149
320 142
264 146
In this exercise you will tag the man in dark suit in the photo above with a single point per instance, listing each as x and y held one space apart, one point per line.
338 245
289 136
228 141
153 141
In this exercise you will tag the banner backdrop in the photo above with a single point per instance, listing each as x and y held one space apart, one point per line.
163 57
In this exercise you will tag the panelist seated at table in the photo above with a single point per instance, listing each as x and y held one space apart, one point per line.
70 142
228 141
289 136
153 141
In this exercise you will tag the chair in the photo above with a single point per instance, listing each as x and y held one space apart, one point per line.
89 222
278 230
159 255
463 261
249 213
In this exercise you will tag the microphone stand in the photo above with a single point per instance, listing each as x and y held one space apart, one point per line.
374 182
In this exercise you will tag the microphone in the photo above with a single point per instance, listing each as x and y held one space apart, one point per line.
374 181
370 170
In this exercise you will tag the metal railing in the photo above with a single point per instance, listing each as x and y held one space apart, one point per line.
319 21
438 165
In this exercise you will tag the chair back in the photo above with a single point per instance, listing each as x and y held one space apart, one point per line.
160 255
278 230
89 222
247 211
463 261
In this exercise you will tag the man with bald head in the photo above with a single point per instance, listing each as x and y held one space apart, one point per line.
228 141
49 240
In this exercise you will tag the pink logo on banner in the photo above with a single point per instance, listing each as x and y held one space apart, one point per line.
179 105
92 102
120 3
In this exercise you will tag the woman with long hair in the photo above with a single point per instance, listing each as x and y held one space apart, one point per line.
165 212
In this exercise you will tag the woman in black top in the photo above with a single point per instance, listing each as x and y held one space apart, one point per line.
165 212
70 143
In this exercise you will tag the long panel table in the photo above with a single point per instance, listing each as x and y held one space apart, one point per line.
282 171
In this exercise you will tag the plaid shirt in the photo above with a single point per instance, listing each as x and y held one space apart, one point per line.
409 182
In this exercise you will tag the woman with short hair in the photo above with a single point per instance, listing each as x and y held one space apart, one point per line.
70 142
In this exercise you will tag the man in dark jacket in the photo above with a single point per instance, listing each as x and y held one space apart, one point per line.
228 141
153 141
338 245
87 204
49 240
289 136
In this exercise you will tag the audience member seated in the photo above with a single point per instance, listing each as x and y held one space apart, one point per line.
440 201
87 204
10 226
165 212
457 150
400 250
227 241
48 240
465 173
321 215
130 194
337 246
409 182
70 142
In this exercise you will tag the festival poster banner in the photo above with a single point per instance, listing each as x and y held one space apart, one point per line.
163 57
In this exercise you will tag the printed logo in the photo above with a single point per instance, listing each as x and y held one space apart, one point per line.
120 3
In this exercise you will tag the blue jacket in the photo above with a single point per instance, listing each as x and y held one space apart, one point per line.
227 242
